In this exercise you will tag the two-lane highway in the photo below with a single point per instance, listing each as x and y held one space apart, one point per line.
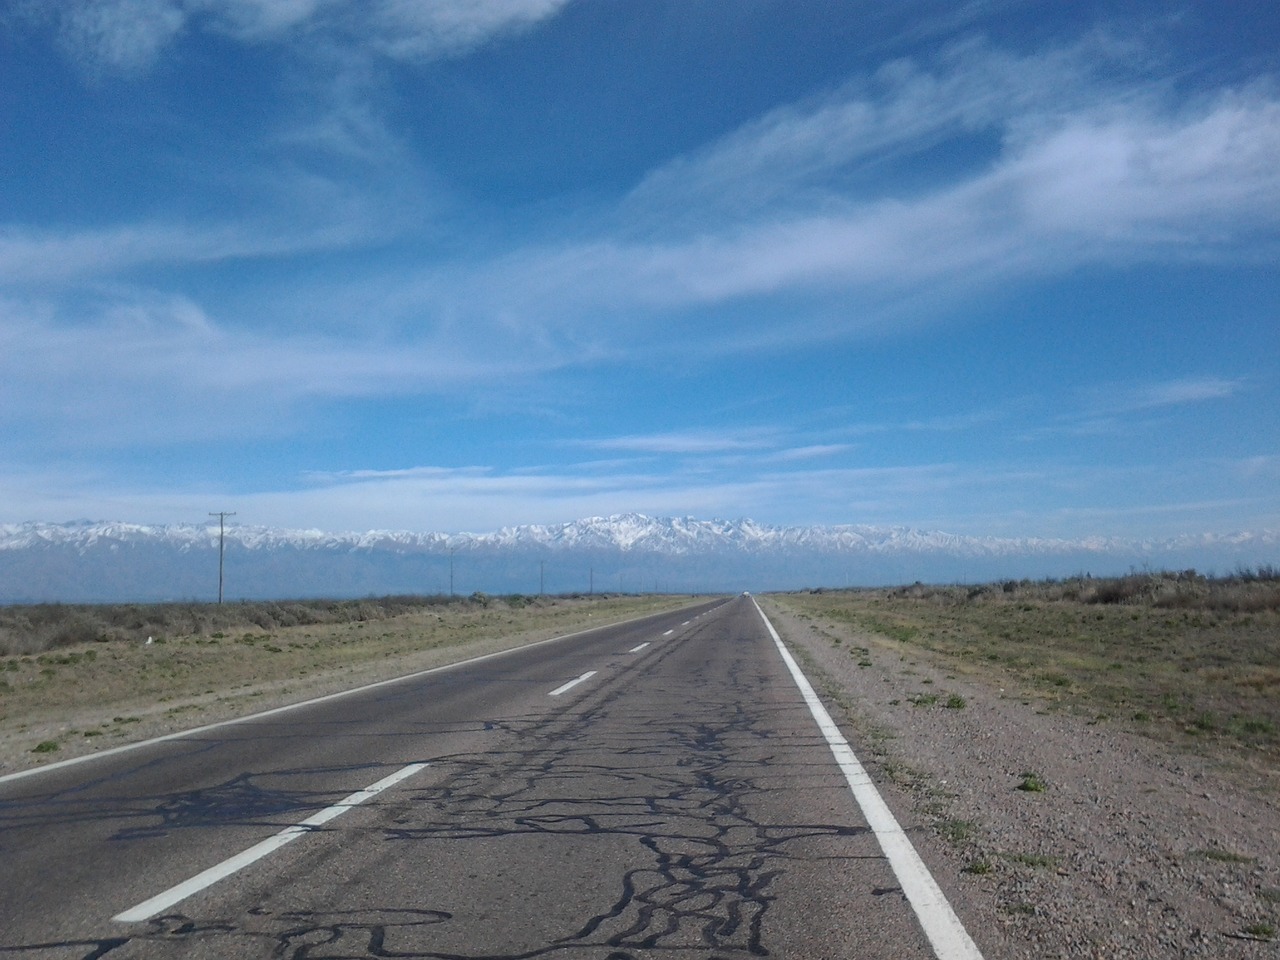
659 788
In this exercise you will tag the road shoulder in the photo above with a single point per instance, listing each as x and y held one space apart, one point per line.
1130 849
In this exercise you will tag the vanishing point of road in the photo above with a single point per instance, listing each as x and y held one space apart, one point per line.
667 787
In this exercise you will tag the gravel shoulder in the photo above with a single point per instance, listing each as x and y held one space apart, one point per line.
1124 847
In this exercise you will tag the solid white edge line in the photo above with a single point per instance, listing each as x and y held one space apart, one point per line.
945 932
193 731
207 878
639 648
571 684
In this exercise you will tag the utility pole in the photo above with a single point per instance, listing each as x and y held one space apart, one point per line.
451 549
542 578
222 532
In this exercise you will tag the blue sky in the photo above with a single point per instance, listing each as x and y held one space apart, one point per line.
993 268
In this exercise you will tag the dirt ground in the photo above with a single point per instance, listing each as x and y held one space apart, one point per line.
1055 835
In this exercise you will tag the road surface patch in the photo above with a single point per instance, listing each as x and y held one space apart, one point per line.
207 878
945 932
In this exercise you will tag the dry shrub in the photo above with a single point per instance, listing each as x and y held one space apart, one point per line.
35 628
1244 591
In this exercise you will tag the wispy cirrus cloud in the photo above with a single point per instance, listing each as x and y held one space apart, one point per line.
36 256
813 451
1080 171
117 36
1105 178
1122 408
140 367
809 153
684 442
129 36
1135 398
410 30
1096 177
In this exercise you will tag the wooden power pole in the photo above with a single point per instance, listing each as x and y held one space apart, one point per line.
222 521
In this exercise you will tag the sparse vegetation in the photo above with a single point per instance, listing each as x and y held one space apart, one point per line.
1221 856
1179 656
39 628
1032 782
955 831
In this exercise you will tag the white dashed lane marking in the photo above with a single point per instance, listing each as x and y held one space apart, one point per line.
571 684
163 901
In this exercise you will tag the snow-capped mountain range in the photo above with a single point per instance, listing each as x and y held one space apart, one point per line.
112 561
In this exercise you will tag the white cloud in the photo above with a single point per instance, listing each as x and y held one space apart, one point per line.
689 442
1138 185
815 451
804 155
139 367
1097 178
30 256
1202 179
70 257
1135 398
127 36
261 19
130 36
1178 392
410 29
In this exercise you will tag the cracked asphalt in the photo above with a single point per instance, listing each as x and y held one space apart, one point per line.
679 803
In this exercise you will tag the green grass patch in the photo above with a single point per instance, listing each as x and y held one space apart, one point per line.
955 831
1037 860
1032 782
1218 855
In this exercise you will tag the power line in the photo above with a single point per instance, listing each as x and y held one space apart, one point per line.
222 520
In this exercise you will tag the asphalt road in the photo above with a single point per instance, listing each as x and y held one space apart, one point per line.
678 802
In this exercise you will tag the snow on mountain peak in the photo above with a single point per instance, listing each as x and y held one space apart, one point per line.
625 532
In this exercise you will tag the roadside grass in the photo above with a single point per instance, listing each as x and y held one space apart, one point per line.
29 629
1180 657
223 661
